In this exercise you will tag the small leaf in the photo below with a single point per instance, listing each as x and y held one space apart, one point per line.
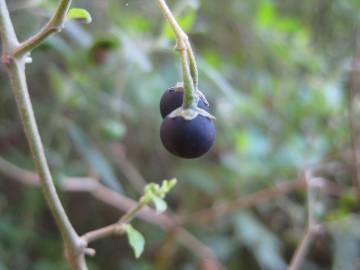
79 14
160 204
167 185
136 240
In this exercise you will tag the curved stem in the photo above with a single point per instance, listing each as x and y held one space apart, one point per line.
188 62
55 24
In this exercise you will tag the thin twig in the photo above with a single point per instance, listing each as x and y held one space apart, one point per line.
15 64
187 57
8 35
113 229
116 200
353 85
193 65
252 200
302 250
314 227
116 228
55 24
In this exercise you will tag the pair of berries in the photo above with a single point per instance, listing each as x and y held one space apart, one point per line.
186 137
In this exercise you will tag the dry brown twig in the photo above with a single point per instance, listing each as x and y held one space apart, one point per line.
118 201
168 222
253 200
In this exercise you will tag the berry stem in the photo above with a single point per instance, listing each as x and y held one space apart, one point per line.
190 97
187 58
193 65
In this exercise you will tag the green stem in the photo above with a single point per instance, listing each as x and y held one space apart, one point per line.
7 32
118 227
16 70
187 58
55 24
189 99
193 65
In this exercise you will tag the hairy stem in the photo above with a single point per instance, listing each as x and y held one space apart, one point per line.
187 58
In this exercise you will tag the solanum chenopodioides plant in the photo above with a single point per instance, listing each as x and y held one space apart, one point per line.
153 193
15 56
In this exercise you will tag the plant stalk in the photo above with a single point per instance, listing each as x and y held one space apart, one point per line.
15 65
55 24
116 228
187 58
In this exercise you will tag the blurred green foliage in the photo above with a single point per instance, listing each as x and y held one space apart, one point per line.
276 74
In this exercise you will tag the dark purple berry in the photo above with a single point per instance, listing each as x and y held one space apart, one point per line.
188 138
172 99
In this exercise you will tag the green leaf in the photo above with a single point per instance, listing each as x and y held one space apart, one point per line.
79 14
160 204
136 240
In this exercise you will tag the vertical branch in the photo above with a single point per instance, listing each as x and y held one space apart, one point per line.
7 32
74 246
16 71
315 208
353 85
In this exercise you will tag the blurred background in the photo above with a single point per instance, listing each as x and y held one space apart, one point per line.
280 78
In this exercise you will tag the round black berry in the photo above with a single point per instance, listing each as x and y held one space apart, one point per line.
188 138
173 98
